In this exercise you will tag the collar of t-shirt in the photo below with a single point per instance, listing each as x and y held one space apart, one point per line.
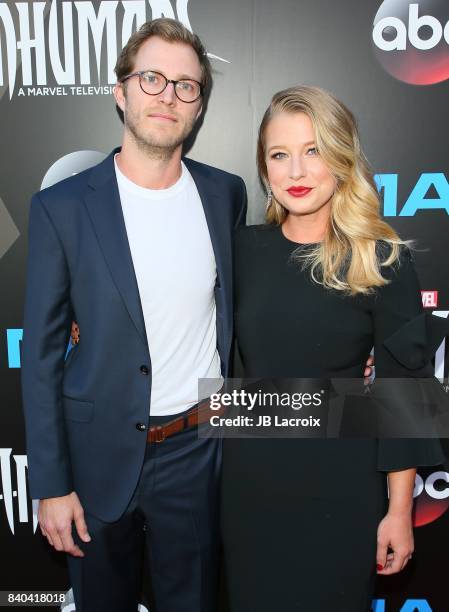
151 194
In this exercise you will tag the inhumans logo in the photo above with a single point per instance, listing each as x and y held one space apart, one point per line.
56 48
14 490
411 40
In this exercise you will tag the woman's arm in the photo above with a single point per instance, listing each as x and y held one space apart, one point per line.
395 531
394 307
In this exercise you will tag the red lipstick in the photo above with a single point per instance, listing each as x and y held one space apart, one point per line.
299 192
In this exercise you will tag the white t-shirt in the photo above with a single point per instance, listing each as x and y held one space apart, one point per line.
175 269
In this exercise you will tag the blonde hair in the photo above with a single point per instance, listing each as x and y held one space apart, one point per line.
349 258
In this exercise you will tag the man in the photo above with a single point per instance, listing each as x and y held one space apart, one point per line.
138 251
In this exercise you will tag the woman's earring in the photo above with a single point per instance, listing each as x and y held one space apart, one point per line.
269 197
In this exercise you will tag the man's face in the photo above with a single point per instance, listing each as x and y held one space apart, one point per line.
160 122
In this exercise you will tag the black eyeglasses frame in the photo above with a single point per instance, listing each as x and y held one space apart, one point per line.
140 73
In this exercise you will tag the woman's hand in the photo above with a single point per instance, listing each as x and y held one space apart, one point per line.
395 531
75 333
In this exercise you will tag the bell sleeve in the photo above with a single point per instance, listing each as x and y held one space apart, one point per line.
405 340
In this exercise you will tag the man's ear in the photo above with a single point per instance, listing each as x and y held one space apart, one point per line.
200 110
119 95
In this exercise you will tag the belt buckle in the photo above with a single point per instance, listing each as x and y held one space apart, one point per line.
160 435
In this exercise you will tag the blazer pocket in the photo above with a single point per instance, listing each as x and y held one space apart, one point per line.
78 410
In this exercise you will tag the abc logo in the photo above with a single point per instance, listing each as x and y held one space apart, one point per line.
71 164
411 40
431 498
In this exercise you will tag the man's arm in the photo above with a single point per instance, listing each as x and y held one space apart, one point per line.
47 318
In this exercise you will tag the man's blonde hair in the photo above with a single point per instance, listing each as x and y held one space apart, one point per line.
169 30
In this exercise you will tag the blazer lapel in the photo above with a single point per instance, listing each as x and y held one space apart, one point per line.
105 210
219 229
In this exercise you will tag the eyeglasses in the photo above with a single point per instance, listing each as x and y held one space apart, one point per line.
153 83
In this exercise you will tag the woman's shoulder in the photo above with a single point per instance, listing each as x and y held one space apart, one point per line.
401 271
404 258
254 234
384 250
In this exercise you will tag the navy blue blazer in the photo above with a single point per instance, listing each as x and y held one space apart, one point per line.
81 413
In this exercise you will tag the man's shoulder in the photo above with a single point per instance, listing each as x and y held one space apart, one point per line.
66 187
211 171
72 187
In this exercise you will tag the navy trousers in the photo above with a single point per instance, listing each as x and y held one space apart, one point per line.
172 517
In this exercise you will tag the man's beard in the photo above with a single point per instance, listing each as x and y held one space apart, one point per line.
160 148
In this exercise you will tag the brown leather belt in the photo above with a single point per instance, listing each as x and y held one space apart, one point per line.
196 416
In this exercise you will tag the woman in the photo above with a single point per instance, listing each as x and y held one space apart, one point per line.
305 522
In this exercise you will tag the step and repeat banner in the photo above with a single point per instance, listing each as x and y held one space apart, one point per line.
388 61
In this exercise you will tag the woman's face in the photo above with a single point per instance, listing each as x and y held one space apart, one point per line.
299 178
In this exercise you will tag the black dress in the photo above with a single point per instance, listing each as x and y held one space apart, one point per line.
300 516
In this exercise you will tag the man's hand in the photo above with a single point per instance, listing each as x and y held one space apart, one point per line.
55 517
